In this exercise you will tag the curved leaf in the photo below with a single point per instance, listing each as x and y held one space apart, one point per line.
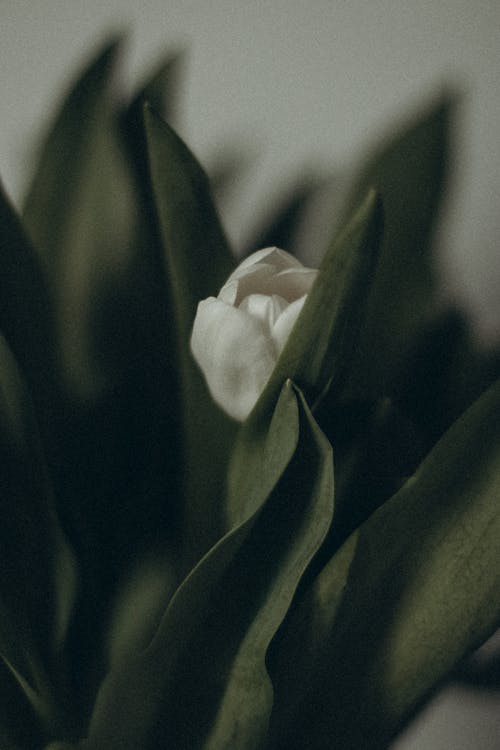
408 171
409 594
115 424
54 189
283 222
202 682
319 350
38 579
26 314
19 727
262 451
197 262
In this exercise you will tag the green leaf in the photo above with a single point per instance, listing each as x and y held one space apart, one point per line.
115 426
408 170
7 741
160 88
319 350
286 215
38 579
134 681
202 681
444 373
49 206
80 215
146 591
409 594
19 727
260 456
26 314
197 262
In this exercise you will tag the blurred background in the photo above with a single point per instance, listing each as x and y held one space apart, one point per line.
285 92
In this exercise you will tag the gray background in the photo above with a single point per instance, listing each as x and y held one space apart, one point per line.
294 83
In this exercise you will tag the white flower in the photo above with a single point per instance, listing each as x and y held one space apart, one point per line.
238 336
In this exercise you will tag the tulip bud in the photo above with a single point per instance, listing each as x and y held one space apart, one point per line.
238 335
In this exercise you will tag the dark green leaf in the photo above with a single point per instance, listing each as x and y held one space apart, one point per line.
38 579
146 591
282 225
116 420
7 741
202 682
445 372
317 354
197 262
261 454
54 189
409 594
79 215
226 169
26 315
408 171
19 727
160 88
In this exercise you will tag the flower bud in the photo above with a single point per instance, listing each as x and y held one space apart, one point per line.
238 335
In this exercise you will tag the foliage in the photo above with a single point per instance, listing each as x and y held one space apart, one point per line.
171 580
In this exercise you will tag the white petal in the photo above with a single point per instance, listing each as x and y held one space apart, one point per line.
234 354
273 256
294 282
265 308
229 292
256 279
286 321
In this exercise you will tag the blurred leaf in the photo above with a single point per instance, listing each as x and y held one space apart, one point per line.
57 181
7 741
319 350
19 727
202 682
197 262
79 214
38 579
146 591
281 227
117 424
482 669
408 171
444 373
226 168
26 314
409 594
134 681
377 448
160 89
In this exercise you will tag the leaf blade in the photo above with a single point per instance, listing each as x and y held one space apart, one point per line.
380 614
409 171
320 347
204 671
197 262
39 582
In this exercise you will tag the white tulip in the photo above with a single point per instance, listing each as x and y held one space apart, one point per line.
238 335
